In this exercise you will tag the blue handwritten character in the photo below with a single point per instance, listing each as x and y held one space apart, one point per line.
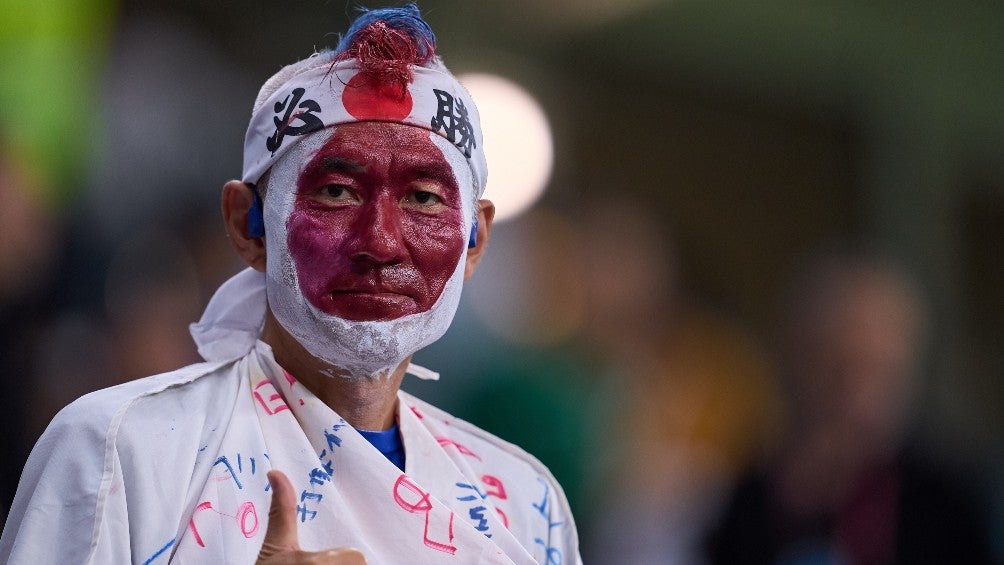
553 553
478 495
478 513
319 476
302 507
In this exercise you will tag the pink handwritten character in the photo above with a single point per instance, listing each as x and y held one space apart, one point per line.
275 403
206 505
404 486
444 441
496 489
291 380
245 511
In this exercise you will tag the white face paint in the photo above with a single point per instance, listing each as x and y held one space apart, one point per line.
354 349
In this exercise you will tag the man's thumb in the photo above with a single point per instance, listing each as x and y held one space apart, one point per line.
281 534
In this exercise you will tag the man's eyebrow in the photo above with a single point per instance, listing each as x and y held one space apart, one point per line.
338 165
434 170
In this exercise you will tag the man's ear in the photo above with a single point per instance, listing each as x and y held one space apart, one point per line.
486 213
237 200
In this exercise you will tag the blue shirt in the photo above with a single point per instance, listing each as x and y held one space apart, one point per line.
389 443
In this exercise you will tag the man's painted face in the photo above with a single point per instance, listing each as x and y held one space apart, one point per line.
365 227
377 225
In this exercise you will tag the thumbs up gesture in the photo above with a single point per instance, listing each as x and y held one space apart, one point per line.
282 542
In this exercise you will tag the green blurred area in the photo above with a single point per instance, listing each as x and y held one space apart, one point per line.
51 57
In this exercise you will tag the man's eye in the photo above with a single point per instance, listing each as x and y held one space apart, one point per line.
336 192
425 197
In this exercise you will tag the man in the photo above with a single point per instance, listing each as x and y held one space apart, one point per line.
848 481
359 217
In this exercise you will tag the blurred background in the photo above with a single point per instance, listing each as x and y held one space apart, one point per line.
747 302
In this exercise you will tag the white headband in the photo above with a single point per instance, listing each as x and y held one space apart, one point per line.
330 94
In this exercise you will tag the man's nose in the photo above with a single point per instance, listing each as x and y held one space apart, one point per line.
378 237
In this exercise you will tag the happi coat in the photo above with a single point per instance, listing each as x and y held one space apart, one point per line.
171 469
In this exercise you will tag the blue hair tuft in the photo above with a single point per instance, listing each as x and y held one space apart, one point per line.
407 19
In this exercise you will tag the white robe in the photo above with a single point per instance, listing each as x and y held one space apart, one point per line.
171 468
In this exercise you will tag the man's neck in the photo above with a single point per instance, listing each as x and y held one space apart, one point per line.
366 403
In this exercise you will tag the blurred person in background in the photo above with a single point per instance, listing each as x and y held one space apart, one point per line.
86 189
363 173
846 484
689 391
28 257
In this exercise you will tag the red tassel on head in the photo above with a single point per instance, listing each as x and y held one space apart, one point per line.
386 54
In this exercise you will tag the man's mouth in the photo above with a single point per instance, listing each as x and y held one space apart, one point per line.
369 303
375 291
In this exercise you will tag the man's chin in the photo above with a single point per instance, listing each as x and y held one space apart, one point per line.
368 306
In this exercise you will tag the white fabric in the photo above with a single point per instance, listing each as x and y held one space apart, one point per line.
321 103
171 468
421 372
233 320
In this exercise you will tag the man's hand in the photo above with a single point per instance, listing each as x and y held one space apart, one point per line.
282 543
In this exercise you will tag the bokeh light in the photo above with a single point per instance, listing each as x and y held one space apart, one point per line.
518 143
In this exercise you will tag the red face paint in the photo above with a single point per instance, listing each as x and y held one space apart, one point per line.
376 227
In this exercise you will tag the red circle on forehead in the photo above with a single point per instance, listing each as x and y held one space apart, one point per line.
366 98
